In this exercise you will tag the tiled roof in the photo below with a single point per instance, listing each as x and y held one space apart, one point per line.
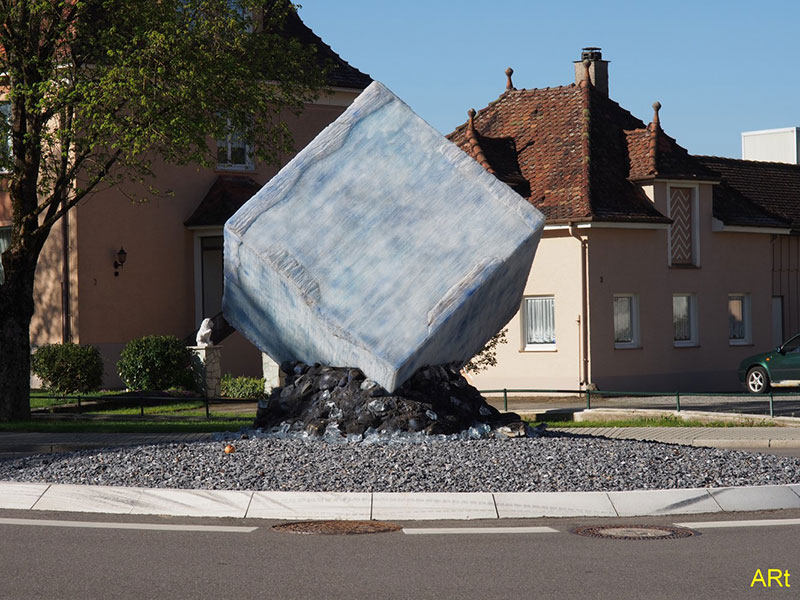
341 73
755 193
569 143
227 195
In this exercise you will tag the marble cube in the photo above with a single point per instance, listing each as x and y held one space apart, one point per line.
381 246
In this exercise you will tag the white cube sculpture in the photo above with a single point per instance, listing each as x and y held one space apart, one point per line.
381 246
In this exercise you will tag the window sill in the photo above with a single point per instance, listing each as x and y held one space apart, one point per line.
627 346
679 267
685 345
540 348
235 169
740 343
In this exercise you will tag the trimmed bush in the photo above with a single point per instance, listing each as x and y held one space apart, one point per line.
156 362
250 388
67 368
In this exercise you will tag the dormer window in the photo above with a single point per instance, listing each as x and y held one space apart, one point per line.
683 233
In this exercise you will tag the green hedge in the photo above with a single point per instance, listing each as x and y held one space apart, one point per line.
156 362
251 388
68 368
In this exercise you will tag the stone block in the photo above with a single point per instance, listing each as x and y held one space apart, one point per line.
381 246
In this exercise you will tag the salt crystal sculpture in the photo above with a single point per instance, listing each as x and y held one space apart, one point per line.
381 246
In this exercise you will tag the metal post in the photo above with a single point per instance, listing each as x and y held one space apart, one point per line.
678 401
771 406
79 404
505 399
141 405
588 399
208 414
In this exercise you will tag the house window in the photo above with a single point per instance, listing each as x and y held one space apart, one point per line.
539 323
5 242
234 153
683 243
5 137
626 321
739 319
684 319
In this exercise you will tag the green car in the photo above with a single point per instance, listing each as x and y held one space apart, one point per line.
779 368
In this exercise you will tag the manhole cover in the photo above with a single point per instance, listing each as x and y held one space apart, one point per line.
635 532
338 527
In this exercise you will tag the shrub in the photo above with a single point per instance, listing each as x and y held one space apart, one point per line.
67 368
251 388
156 362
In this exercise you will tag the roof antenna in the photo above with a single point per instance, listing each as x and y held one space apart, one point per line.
509 73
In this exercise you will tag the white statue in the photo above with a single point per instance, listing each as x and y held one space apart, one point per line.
204 334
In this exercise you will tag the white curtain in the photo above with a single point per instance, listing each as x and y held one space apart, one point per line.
5 241
540 322
623 319
736 318
681 318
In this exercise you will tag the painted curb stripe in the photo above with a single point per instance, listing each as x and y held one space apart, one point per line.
753 523
474 530
139 526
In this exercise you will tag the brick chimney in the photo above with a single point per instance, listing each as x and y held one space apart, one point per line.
598 69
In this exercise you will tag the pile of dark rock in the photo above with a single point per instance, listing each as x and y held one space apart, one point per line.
341 402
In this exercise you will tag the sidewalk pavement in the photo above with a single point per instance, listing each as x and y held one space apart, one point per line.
399 506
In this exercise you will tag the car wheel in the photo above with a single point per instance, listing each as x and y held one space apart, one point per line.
757 380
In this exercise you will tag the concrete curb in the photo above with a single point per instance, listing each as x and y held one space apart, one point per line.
396 506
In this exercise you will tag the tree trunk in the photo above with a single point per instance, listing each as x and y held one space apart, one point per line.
16 312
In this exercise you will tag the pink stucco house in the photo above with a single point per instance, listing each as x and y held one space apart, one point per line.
171 277
658 270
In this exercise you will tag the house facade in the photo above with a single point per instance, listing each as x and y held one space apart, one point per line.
658 270
171 276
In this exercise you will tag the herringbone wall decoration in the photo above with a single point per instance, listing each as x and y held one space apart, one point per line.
680 232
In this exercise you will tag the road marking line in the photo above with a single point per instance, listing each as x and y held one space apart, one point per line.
140 526
472 530
753 523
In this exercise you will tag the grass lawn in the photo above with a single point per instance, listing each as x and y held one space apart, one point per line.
666 421
104 426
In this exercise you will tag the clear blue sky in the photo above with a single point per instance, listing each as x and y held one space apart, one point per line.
717 67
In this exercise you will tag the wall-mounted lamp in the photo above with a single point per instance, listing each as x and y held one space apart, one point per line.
121 256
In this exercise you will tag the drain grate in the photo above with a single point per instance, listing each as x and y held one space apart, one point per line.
636 532
337 527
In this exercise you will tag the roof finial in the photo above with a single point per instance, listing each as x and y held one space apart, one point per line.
656 108
471 114
509 73
586 76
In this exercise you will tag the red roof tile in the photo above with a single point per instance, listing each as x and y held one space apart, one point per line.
756 193
570 145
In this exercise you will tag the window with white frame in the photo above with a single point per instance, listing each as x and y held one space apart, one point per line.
626 321
739 329
683 232
234 153
539 322
5 241
684 319
5 137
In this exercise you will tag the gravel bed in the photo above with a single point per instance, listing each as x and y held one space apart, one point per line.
551 463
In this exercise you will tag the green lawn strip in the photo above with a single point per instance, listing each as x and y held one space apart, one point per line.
662 422
176 426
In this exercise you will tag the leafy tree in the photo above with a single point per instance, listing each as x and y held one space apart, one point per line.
98 89
487 357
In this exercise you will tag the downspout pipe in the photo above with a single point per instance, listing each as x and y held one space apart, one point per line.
583 318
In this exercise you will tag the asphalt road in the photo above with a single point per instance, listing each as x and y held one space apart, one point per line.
76 562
